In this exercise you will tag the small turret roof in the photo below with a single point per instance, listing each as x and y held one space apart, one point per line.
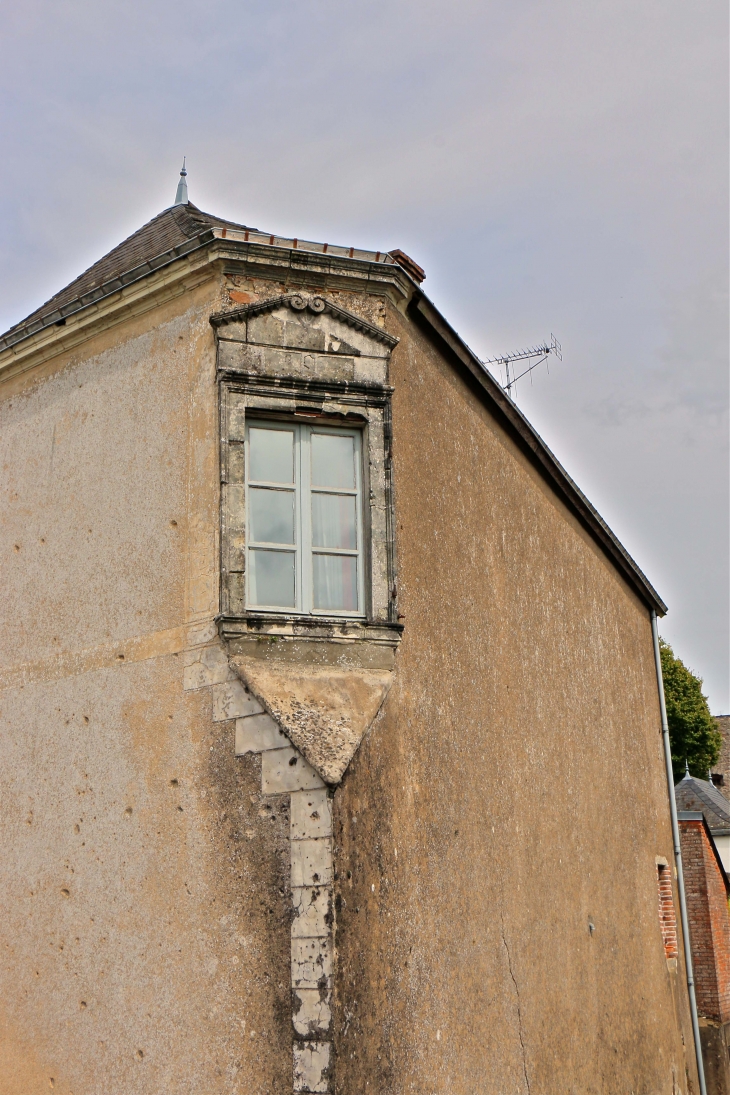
181 197
700 795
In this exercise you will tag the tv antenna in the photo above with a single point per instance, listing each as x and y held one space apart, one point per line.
536 355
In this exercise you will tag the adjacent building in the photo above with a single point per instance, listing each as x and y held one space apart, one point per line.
701 795
707 891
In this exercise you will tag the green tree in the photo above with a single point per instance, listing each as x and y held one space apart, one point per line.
693 733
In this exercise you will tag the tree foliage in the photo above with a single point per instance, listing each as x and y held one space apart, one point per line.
693 732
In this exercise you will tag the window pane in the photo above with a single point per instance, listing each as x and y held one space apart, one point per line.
333 461
271 516
271 578
335 582
333 521
271 455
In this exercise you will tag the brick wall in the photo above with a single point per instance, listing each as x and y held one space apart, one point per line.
709 922
667 915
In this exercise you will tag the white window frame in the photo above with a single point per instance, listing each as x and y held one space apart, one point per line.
303 550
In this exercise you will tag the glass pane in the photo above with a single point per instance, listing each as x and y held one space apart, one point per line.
271 455
335 582
333 461
271 578
333 521
271 516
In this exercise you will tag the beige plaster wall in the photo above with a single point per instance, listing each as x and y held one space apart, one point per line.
100 454
511 793
144 880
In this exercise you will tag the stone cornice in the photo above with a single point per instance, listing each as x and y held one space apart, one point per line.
317 270
319 391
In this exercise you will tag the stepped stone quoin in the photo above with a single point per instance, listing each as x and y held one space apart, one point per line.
285 771
256 733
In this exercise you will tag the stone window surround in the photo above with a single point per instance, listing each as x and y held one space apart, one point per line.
327 402
322 679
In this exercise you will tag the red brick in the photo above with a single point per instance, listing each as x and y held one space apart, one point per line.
667 917
706 891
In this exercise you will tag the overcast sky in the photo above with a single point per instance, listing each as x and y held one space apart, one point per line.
555 166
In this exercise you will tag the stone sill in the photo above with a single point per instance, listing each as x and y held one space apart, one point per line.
312 640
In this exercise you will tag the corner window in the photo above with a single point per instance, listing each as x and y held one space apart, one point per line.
303 518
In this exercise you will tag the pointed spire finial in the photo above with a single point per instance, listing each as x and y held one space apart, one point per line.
181 198
686 767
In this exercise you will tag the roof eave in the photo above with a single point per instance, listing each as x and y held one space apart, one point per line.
59 316
86 319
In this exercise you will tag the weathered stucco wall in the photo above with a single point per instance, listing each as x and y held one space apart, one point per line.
144 879
496 834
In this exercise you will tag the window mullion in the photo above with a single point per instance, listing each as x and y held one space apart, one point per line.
297 520
359 523
305 508
247 517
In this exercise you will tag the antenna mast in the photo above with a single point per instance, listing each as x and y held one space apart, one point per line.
536 356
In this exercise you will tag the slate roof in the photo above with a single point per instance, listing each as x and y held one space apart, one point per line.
702 796
169 230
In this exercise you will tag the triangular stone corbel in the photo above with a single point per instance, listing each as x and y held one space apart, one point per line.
324 710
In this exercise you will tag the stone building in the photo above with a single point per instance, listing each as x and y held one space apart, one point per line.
296 605
721 771
707 889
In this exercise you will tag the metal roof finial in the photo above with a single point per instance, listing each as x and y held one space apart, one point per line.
181 198
686 767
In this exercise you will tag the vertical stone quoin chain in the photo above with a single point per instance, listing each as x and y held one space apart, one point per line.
285 771
311 937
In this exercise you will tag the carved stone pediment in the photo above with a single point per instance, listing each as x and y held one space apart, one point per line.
297 312
302 336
